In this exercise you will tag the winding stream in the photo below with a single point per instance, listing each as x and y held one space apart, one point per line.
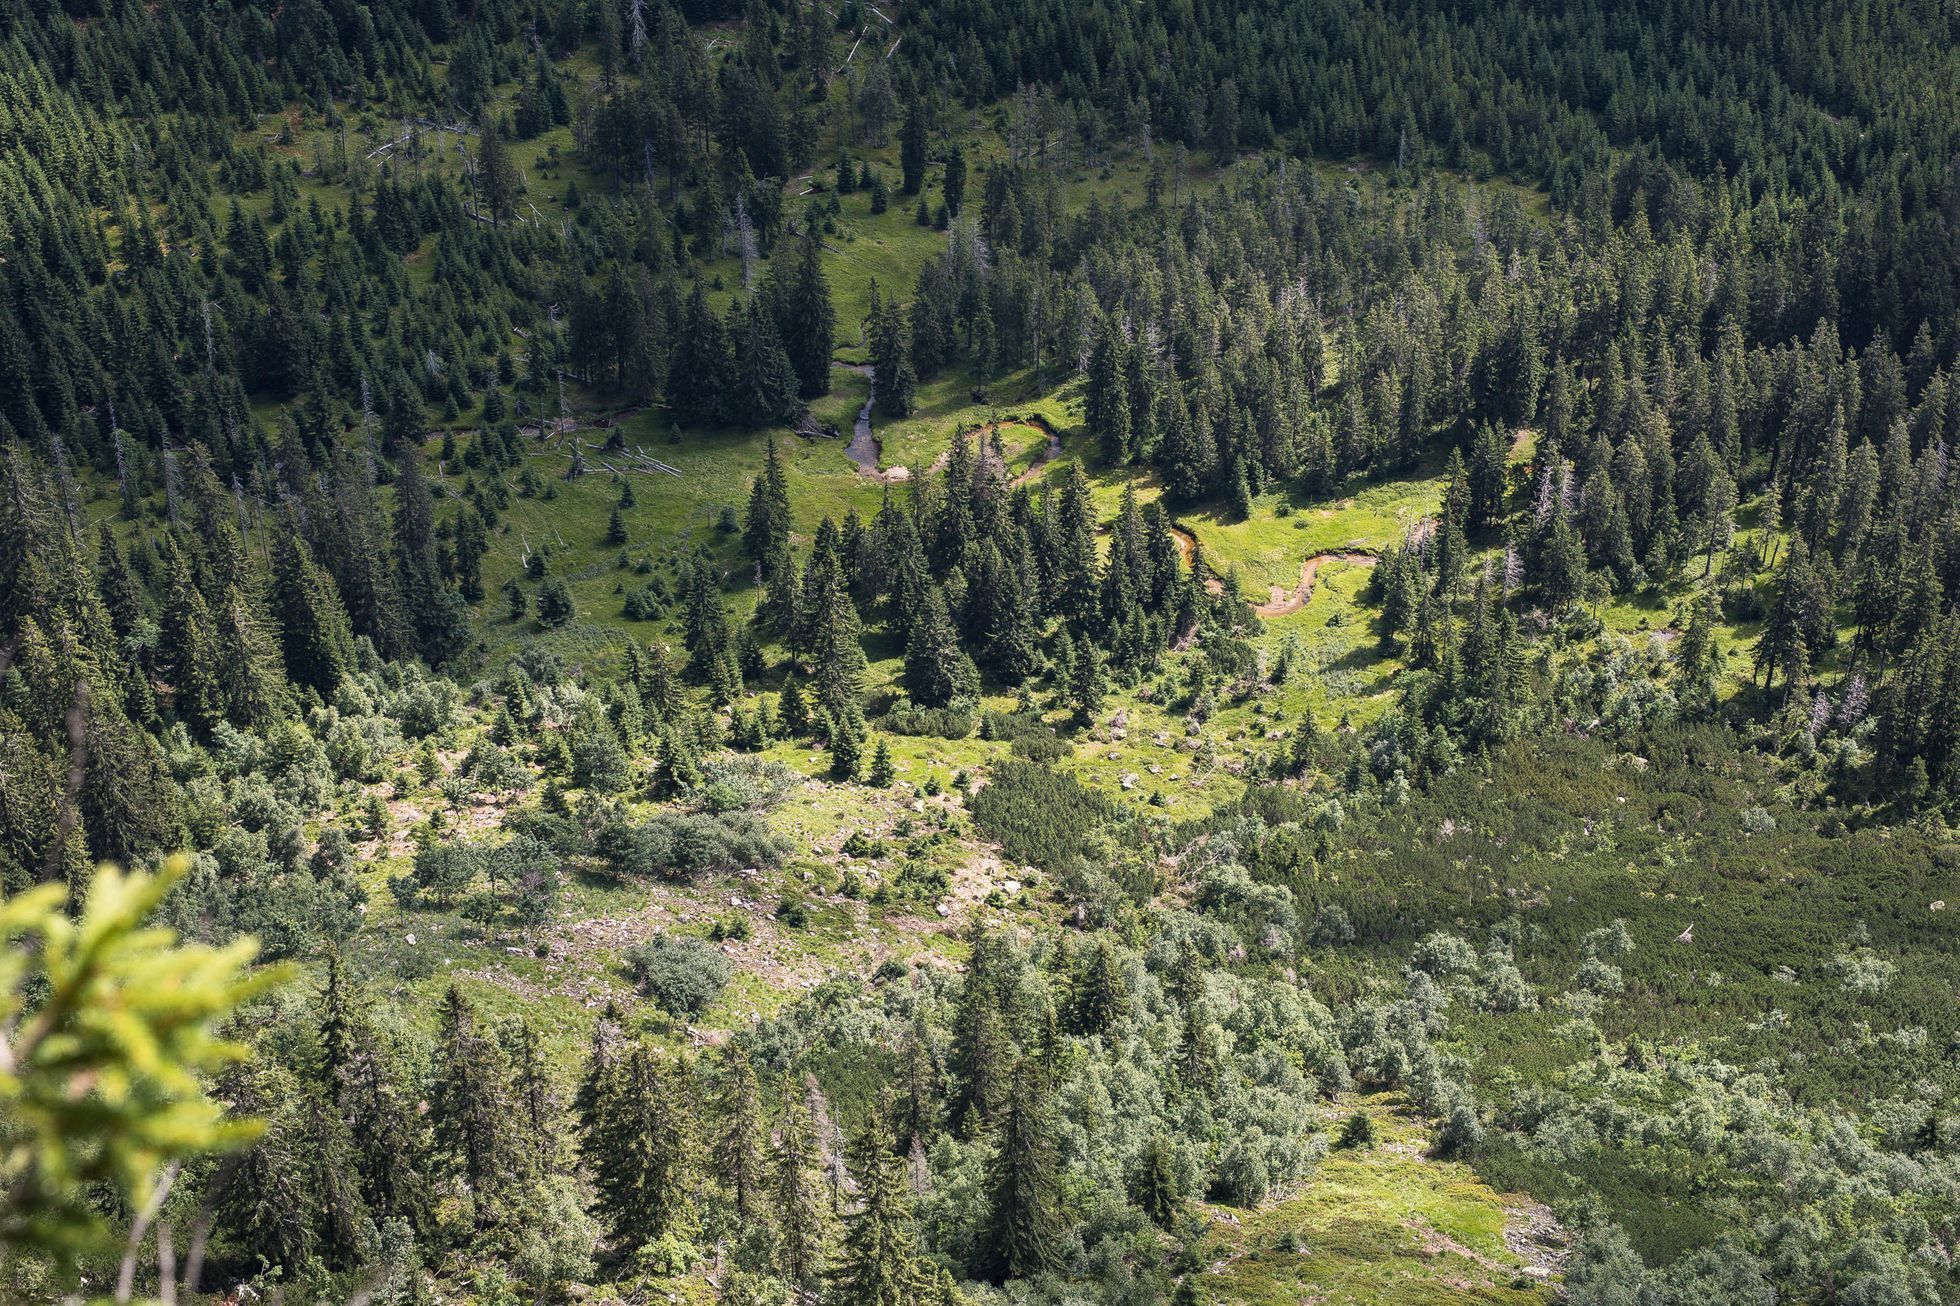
1281 600
863 448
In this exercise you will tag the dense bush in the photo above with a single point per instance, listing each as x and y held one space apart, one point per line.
681 973
907 718
443 869
738 784
675 844
1039 815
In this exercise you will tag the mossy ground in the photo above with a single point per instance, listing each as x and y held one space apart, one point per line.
1381 1226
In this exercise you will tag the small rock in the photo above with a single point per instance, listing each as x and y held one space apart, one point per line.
1010 886
943 909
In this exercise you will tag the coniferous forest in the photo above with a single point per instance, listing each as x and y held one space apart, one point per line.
934 652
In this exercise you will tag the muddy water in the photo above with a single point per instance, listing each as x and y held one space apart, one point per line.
1046 456
863 448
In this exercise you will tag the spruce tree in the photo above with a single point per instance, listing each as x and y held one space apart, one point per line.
1696 657
701 377
832 635
498 178
1487 474
882 773
471 543
638 1148
1021 1232
595 1082
436 613
800 1232
188 645
249 669
390 1138
983 1046
1106 398
1187 987
937 670
953 184
1102 993
919 1087
314 633
471 1108
807 320
1156 1189
1087 682
912 148
879 1263
1075 589
536 1099
337 1028
738 1148
121 596
765 533
1004 617
894 379
845 737
765 382
792 709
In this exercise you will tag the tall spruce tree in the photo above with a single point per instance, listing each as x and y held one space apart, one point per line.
879 1262
701 378
831 637
639 1148
765 534
799 1215
314 632
912 148
1021 1233
738 1147
437 615
765 380
806 318
937 670
472 1109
